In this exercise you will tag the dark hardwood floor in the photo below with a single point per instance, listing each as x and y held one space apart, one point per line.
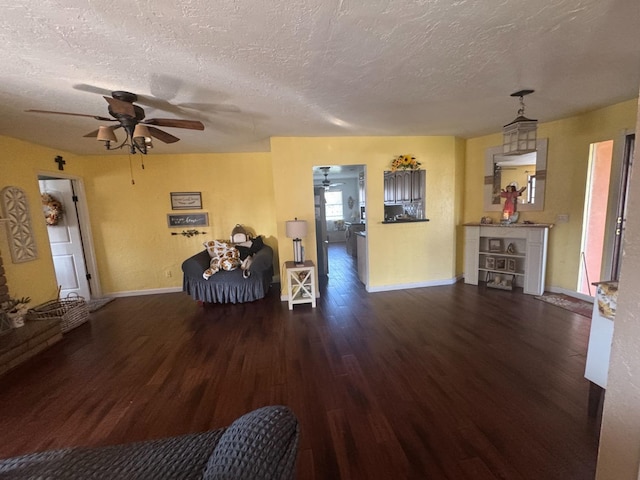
456 382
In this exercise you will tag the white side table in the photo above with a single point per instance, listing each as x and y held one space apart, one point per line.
301 282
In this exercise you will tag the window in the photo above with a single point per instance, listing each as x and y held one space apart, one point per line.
333 205
531 189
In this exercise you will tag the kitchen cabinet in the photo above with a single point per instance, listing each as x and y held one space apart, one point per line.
350 235
361 190
418 184
390 187
404 186
506 256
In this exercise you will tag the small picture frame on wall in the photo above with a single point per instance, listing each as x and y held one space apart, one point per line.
511 264
501 263
490 263
186 200
495 245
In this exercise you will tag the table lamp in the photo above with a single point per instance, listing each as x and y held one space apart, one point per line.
297 229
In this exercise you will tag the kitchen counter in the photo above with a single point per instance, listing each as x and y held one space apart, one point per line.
406 220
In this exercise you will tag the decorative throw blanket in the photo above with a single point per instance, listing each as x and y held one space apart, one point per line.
225 256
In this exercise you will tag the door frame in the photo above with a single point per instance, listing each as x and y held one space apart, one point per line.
85 227
616 191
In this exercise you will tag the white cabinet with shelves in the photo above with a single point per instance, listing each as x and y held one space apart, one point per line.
507 256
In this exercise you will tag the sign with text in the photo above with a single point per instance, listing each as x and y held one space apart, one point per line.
188 220
186 200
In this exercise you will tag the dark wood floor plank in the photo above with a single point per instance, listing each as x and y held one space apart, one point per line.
454 383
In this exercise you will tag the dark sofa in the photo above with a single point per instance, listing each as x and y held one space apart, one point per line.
228 287
262 444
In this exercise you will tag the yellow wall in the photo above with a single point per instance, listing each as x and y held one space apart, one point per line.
414 253
135 248
20 163
567 160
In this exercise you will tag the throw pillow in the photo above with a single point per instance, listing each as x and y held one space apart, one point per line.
244 251
256 245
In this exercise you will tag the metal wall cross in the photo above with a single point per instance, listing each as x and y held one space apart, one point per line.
60 161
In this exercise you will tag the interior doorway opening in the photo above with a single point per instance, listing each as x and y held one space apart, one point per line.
595 215
340 211
605 212
70 238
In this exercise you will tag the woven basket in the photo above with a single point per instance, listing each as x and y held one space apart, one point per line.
72 311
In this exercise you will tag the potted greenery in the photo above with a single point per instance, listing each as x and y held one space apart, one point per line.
15 310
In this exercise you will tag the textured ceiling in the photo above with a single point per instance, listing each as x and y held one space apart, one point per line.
253 69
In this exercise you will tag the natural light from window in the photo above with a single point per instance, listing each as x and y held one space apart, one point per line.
333 205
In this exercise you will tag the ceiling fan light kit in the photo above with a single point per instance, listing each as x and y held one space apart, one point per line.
326 183
139 136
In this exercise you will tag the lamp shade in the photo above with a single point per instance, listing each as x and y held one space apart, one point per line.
296 228
142 131
105 134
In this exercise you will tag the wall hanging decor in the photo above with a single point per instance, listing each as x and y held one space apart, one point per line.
15 209
188 220
186 201
189 233
405 162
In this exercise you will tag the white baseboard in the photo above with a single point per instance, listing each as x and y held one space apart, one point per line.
135 293
405 286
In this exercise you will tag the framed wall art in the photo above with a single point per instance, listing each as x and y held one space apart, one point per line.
186 200
495 245
490 263
511 264
188 220
501 263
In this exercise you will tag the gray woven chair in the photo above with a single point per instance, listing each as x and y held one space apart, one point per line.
262 444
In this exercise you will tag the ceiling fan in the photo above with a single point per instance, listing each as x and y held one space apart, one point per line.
132 119
326 183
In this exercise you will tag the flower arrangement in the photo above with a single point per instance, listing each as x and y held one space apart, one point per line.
405 162
16 310
52 209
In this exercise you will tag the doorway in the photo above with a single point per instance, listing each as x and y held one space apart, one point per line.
340 206
595 214
604 214
69 238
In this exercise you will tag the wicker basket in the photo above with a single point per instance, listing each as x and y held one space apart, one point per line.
72 311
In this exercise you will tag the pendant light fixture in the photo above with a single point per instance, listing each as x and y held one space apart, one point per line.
519 136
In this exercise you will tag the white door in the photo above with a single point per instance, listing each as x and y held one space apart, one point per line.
66 242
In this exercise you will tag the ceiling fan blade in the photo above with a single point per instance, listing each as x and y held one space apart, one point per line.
173 122
162 136
118 106
102 119
83 87
210 107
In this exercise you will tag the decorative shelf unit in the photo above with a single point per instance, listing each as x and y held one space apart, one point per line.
301 281
507 256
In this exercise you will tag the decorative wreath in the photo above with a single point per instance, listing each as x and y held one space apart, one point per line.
52 209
